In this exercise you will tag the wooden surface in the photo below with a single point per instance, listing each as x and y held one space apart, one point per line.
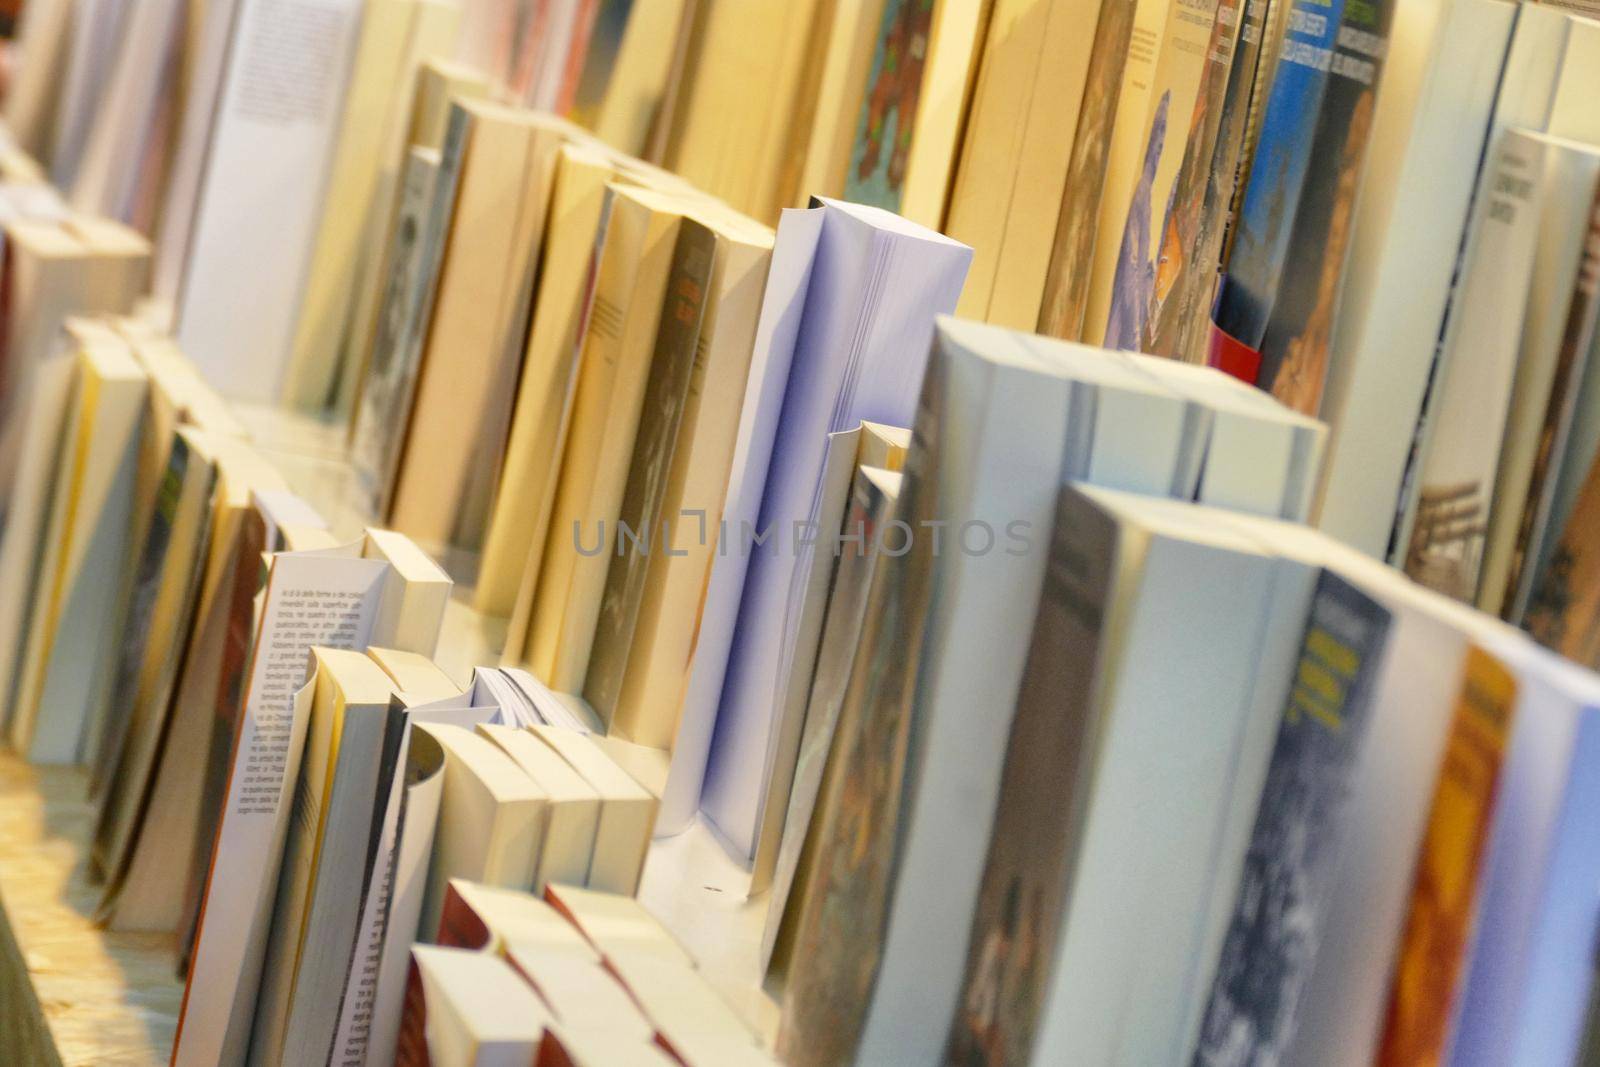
69 992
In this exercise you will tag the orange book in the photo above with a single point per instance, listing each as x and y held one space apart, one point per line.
1433 948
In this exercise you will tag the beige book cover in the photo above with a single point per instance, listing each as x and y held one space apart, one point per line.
647 708
527 484
613 370
473 344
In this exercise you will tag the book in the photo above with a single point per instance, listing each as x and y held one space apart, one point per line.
566 850
94 32
1544 393
315 912
617 925
1141 184
1429 136
1193 223
640 77
417 678
492 819
873 494
834 369
676 998
333 598
1000 479
627 402
1431 956
267 157
462 407
592 1048
64 678
150 806
870 446
394 35
1054 894
500 920
1305 297
1032 89
1293 853
581 994
626 816
636 671
41 44
514 545
468 1009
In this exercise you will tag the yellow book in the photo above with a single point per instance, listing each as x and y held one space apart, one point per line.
473 346
527 484
629 291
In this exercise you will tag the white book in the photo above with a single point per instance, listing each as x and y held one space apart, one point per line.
1464 426
270 149
581 993
567 847
1439 85
1004 419
627 811
95 34
476 1011
853 350
617 926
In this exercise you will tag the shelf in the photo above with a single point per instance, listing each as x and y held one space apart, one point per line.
71 993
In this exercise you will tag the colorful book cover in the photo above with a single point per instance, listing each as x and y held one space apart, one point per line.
1433 949
1066 286
882 147
604 44
1191 238
1294 348
1564 614
1278 172
839 934
1187 45
1293 853
1022 901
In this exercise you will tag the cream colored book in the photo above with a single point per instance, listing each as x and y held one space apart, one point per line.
314 917
473 346
383 59
503 921
415 592
618 346
655 659
618 925
639 76
515 540
1014 156
417 679
677 999
960 28
582 994
492 819
31 98
468 1009
573 804
119 262
1125 152
627 811
1122 280
565 1046
70 651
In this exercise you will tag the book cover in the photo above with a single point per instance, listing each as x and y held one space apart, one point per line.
1564 613
1433 949
1191 237
1022 902
839 933
678 344
1066 287
882 147
1576 343
599 59
1298 335
1293 852
1278 172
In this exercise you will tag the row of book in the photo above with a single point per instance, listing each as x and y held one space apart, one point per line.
1458 449
1198 786
283 777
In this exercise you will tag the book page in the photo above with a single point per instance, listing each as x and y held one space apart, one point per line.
310 600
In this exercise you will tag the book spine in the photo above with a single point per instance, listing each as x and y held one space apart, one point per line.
1433 949
1293 853
1300 326
1278 171
1576 339
1564 611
